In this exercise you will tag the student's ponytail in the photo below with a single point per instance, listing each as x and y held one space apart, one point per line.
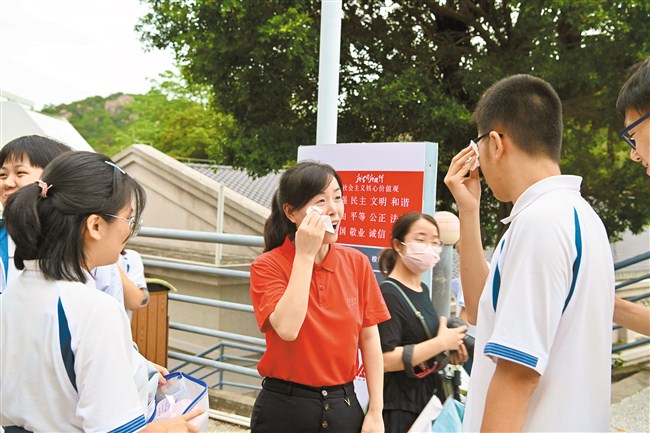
46 220
277 226
387 260
21 216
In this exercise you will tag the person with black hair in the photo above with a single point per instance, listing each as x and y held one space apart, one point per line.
633 105
414 344
317 302
22 161
543 308
68 362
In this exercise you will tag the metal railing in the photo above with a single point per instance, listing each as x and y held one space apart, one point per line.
213 361
621 265
216 360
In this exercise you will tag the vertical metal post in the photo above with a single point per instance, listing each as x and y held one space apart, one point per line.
328 71
441 282
218 252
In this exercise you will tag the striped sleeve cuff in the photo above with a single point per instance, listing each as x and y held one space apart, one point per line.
131 426
499 351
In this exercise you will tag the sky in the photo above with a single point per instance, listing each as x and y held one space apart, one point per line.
60 51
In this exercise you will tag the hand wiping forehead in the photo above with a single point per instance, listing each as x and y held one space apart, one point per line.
473 160
329 228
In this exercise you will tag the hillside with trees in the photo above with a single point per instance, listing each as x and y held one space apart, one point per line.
174 117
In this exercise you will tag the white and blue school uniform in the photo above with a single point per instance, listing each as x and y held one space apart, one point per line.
132 265
7 249
108 280
68 362
548 304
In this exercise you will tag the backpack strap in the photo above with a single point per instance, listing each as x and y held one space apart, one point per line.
415 310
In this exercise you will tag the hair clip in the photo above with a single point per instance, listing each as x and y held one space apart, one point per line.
44 188
116 166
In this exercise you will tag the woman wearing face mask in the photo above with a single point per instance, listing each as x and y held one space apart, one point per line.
411 341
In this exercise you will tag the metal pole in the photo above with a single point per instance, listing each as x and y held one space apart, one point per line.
441 282
328 71
220 217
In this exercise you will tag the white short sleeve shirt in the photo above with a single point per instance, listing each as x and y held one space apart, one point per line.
68 362
548 304
132 265
108 280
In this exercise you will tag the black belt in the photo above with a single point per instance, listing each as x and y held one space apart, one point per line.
299 390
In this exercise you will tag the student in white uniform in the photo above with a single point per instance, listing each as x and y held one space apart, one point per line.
124 281
22 161
633 105
131 269
542 356
107 280
68 363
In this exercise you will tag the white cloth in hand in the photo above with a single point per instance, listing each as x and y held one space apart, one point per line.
326 219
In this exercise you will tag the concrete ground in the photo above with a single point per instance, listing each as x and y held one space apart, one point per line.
223 427
630 409
631 403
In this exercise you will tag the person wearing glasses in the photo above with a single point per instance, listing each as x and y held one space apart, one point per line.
544 306
68 362
114 280
634 106
22 161
412 342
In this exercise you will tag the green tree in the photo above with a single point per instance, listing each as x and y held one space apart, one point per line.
175 117
414 70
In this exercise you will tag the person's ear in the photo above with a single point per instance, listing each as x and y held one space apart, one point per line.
500 145
93 225
397 245
289 212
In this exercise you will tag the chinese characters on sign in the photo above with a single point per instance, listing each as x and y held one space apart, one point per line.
373 202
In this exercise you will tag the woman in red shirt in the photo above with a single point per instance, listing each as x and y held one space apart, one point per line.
317 302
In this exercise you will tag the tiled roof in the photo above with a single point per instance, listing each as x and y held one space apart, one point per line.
259 190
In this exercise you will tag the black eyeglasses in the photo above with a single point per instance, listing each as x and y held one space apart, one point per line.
481 137
623 134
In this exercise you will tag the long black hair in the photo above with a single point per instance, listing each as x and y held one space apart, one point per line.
50 229
388 257
298 185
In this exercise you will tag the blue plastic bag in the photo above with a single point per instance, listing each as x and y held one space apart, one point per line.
450 419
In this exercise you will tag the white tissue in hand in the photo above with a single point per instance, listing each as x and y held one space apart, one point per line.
329 228
474 159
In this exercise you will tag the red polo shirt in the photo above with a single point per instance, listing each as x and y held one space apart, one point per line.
343 297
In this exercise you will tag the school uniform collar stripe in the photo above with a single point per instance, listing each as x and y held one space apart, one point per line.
505 352
544 186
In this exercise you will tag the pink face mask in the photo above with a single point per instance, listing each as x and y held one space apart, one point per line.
420 257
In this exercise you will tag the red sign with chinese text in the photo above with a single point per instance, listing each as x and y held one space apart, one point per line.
374 200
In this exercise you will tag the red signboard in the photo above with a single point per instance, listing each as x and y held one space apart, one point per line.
373 202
